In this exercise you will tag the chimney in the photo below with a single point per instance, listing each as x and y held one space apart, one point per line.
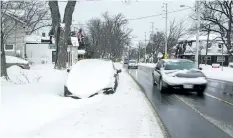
43 34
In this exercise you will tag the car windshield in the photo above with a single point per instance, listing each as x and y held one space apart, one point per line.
132 61
179 65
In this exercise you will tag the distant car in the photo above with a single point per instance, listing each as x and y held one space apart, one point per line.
11 60
132 64
179 74
89 77
126 61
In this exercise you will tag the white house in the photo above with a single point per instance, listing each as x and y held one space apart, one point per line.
216 50
39 50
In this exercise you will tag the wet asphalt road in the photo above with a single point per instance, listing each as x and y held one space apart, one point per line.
186 115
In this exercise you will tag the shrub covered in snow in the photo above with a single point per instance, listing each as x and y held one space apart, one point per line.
18 75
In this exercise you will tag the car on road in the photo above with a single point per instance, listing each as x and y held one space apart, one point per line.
11 61
132 64
179 74
126 61
89 77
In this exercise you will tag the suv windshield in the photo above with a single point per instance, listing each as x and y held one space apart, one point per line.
132 61
179 65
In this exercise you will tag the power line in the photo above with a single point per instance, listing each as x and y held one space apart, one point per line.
143 17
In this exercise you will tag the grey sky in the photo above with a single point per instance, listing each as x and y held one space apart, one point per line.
87 10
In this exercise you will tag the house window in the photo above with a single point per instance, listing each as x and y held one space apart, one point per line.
9 47
219 45
220 59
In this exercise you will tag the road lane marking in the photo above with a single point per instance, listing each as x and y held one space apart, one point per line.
228 129
227 102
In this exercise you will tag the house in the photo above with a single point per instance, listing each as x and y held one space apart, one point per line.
14 44
40 49
213 52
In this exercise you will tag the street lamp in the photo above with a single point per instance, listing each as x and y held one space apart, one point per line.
198 28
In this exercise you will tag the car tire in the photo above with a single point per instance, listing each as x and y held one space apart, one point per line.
66 92
137 67
115 85
162 89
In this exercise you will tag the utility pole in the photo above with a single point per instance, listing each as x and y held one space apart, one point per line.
145 47
166 29
152 35
139 47
197 34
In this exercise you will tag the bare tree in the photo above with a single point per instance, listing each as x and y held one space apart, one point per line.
108 36
217 16
157 41
61 30
30 15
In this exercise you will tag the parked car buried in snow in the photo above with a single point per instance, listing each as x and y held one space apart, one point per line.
89 77
11 61
179 74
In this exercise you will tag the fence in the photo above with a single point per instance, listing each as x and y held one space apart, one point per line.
37 60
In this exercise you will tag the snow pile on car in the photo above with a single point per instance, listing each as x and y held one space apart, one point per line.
90 76
170 76
11 59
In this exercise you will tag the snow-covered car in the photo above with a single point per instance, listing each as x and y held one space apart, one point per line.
132 64
11 61
89 77
179 74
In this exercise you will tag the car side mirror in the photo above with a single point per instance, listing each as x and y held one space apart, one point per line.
200 68
118 71
157 68
68 70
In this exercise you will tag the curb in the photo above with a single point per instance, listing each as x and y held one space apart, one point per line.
160 122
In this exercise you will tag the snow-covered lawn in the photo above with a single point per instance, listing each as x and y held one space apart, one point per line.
38 110
151 65
217 73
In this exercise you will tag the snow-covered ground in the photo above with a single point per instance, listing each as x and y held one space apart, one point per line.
38 109
151 65
217 73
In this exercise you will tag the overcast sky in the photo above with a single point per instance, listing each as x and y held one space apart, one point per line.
84 11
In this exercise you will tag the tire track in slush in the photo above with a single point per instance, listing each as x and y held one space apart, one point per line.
228 129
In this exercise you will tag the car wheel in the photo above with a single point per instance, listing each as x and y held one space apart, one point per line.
162 89
115 86
66 92
136 67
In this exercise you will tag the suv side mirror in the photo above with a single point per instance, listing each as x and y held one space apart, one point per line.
68 70
200 68
118 71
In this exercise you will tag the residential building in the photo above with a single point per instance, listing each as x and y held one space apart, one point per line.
213 52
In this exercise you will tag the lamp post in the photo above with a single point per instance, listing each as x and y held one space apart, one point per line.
197 31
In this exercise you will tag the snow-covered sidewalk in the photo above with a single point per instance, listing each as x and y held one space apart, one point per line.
217 73
38 110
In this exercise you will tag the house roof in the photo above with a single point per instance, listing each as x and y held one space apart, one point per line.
36 39
201 37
